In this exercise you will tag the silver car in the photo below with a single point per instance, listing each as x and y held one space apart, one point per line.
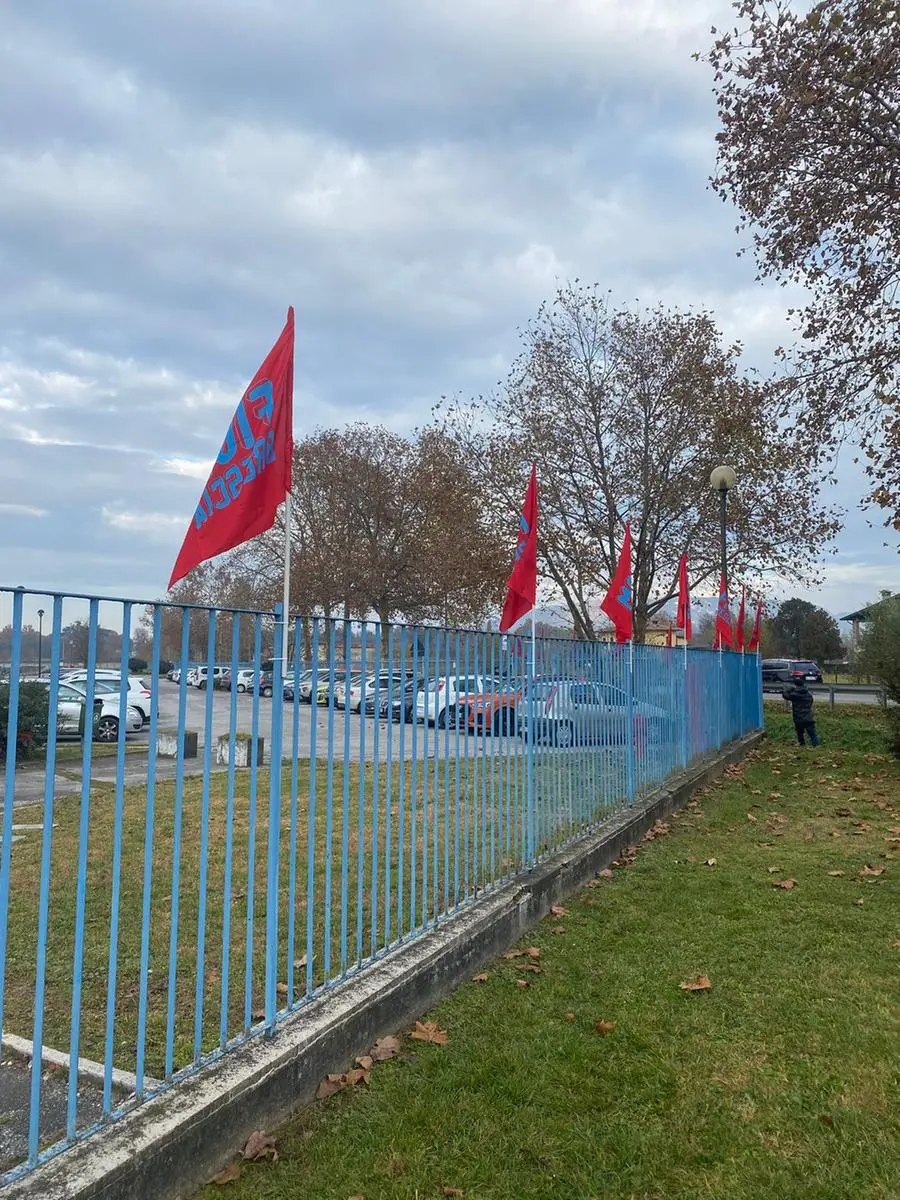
582 712
68 714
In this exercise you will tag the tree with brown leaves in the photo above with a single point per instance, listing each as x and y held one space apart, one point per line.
809 152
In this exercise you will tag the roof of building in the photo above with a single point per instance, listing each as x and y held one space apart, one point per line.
865 614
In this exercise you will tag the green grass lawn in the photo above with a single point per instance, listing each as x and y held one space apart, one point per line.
780 1081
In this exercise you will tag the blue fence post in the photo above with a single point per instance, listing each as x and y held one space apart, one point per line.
629 717
274 839
12 727
684 708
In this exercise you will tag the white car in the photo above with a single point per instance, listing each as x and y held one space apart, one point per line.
68 714
340 689
382 680
245 681
201 680
191 678
437 701
108 684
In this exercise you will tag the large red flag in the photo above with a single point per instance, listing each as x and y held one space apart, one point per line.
741 619
521 589
724 631
753 647
683 617
252 471
617 603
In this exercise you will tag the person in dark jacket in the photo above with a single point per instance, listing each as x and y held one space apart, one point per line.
800 699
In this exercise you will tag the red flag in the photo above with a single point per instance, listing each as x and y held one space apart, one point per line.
521 589
753 647
741 619
724 632
617 603
252 471
683 616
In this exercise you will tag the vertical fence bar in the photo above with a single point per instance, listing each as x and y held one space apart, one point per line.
229 837
361 815
113 962
81 885
251 825
329 797
274 831
149 831
467 810
311 806
431 695
34 1120
345 798
376 779
435 786
452 716
204 834
12 734
414 785
456 780
176 846
295 781
388 785
401 798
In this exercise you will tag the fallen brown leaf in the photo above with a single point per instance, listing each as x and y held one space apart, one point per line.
773 870
228 1174
514 954
427 1031
826 1119
691 858
358 1196
260 1145
281 989
835 874
750 817
482 978
558 929
570 1016
330 1086
710 862
452 1191
385 1048
700 984
299 963
366 1061
860 902
533 952
604 1027
607 873
536 968
558 910
868 872
895 944
521 983
787 884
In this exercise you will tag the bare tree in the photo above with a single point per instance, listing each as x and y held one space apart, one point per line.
625 414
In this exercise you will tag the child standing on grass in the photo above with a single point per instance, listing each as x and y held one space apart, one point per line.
800 699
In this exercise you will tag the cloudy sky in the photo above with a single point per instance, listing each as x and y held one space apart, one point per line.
415 176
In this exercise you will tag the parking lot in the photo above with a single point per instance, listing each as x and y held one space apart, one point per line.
351 736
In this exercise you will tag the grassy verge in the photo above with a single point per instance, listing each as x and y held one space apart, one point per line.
417 851
781 1080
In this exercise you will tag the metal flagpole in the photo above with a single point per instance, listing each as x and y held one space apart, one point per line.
531 740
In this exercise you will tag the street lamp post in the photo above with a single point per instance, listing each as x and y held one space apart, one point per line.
40 641
723 480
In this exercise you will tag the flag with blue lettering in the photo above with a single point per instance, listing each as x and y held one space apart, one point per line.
252 472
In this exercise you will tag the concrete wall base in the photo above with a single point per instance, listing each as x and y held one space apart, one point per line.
171 1145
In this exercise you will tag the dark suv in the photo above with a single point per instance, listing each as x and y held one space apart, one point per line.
779 672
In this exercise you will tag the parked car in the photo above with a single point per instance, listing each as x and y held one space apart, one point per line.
245 680
110 683
494 710
779 672
205 673
72 698
191 678
402 707
376 684
305 678
572 713
437 702
174 675
264 683
79 675
340 688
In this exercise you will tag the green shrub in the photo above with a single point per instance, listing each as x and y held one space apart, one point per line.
879 654
31 726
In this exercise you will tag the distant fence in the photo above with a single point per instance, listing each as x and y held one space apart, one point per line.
158 911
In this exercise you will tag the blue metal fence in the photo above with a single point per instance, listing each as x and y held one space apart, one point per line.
157 911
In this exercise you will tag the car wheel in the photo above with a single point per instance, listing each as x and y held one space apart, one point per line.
108 729
443 720
242 687
267 691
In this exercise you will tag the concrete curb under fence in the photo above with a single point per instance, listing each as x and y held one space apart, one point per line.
174 1143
